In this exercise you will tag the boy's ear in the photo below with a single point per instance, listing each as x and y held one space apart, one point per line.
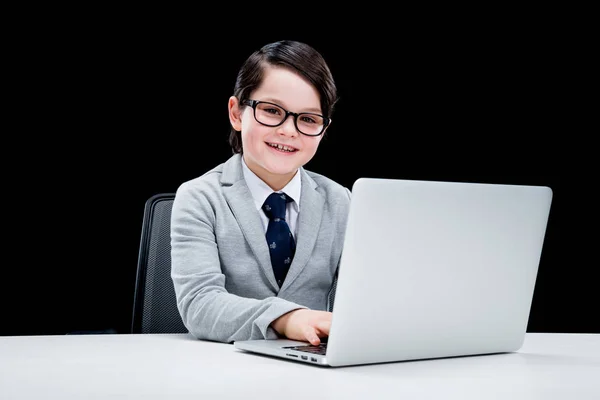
327 127
235 113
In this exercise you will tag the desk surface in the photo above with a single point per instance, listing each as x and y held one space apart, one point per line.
548 366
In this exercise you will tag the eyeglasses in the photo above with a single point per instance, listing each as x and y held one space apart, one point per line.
270 114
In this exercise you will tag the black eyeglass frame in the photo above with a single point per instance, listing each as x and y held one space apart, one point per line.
254 103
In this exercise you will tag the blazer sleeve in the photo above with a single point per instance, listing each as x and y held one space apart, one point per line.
208 311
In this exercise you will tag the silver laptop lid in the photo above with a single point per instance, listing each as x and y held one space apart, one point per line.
436 269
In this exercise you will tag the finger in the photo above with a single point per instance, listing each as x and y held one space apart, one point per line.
323 327
311 336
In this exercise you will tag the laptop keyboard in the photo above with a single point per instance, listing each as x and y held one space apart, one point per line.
320 349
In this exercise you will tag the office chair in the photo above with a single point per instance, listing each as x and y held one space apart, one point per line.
155 306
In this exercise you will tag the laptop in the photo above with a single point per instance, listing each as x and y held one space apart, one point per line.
429 269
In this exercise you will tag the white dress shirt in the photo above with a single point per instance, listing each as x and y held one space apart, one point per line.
260 191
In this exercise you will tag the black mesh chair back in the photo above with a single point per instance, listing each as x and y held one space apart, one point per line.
155 306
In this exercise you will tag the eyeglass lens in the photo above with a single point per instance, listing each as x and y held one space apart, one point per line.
272 115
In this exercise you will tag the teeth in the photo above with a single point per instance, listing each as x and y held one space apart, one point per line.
280 147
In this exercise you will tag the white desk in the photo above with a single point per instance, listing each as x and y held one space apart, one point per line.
549 366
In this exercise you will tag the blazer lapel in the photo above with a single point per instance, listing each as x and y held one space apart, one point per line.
309 223
239 198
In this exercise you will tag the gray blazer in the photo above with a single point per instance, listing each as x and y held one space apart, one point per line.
221 268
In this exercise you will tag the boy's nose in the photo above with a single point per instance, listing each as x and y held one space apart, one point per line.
288 127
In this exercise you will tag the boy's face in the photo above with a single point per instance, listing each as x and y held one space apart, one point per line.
273 165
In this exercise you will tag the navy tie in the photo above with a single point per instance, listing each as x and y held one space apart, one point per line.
279 238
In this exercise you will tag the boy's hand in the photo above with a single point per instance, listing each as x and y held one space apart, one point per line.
305 325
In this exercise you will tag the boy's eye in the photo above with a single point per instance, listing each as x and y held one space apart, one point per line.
272 110
307 119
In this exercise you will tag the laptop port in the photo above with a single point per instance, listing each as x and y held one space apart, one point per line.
313 359
291 355
304 357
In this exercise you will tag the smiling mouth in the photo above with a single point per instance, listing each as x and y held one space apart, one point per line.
286 149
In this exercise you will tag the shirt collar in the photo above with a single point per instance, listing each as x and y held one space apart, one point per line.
260 190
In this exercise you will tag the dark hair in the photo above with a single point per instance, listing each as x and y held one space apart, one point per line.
296 56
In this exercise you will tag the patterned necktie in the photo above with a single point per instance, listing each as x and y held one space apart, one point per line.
279 238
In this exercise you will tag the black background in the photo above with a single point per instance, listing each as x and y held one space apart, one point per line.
108 117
